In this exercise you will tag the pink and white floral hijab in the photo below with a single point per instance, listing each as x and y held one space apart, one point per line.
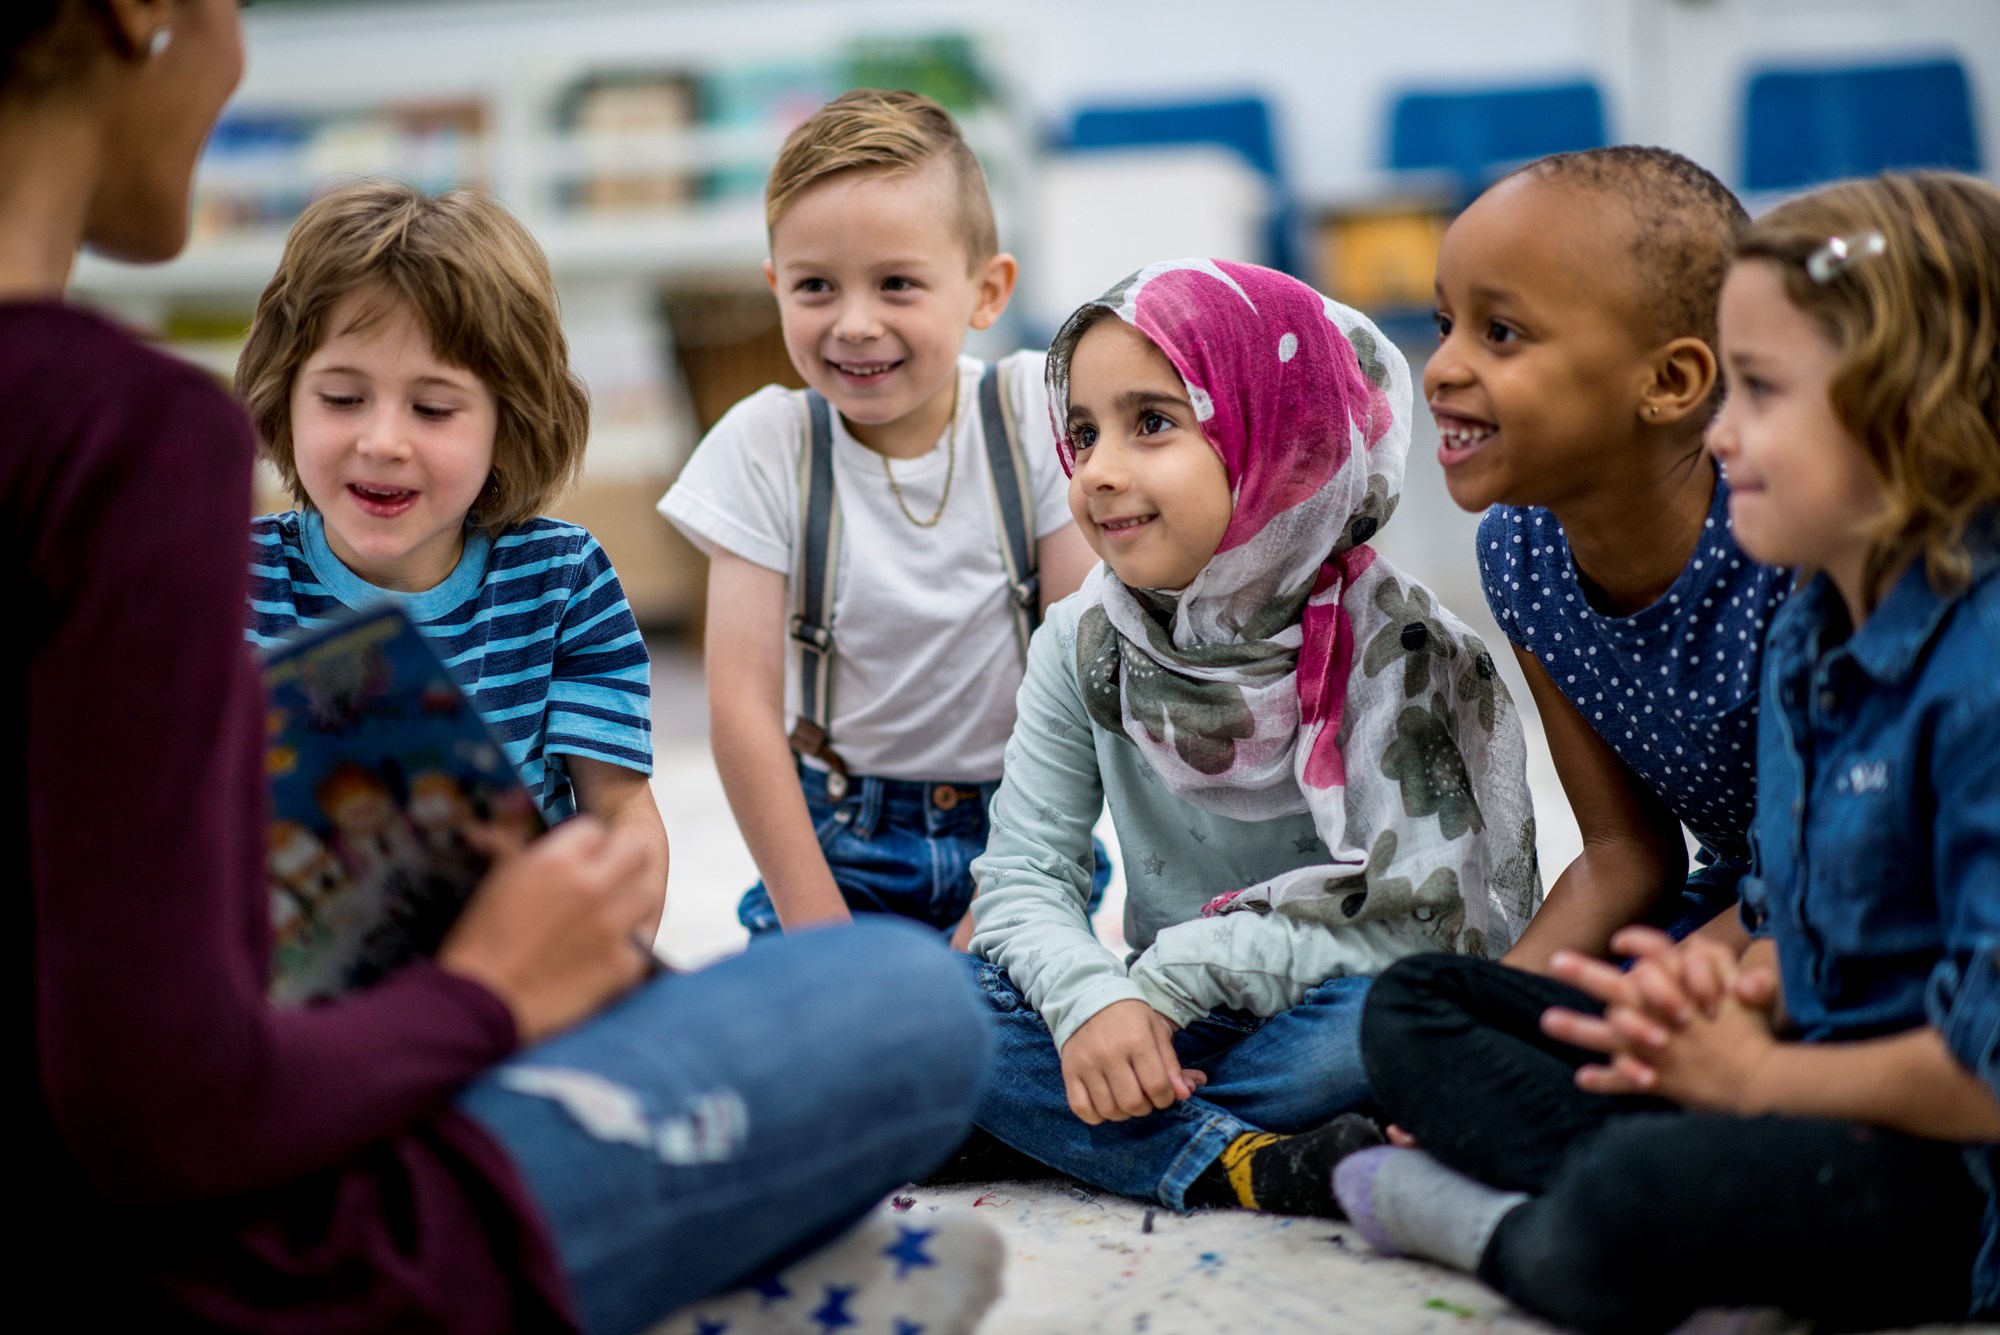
1300 671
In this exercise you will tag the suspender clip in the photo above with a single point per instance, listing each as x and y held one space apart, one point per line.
815 637
809 739
1028 594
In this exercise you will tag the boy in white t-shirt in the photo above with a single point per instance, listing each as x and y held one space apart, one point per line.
882 543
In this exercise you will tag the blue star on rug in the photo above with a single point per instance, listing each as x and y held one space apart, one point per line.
908 1327
908 1251
832 1314
771 1288
711 1328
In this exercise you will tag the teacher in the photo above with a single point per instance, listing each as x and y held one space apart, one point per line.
417 1156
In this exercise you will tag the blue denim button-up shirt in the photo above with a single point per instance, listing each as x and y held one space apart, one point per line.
1877 835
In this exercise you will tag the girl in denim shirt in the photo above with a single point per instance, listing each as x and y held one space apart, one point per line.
1810 1124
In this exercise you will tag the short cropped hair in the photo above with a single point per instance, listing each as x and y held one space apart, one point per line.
1917 325
884 130
479 286
1685 226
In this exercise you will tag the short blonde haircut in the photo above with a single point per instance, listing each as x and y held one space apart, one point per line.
480 287
884 130
1918 328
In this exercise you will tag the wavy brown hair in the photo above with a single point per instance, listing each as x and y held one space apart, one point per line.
478 284
1918 328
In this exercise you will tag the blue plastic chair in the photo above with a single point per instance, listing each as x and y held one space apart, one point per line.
1240 123
1474 135
1804 126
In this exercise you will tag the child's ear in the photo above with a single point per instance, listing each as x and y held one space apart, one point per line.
771 277
995 282
1684 373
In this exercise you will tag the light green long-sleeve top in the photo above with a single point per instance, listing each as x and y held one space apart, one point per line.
1034 878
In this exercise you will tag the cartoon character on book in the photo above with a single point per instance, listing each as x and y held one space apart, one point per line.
371 836
303 877
340 688
440 812
301 864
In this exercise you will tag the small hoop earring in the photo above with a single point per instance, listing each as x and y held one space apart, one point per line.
162 39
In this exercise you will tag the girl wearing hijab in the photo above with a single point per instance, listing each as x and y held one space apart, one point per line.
1311 764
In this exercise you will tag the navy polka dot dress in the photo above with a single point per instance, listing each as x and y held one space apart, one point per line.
1672 687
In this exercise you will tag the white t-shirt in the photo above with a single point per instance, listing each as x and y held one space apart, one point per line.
926 661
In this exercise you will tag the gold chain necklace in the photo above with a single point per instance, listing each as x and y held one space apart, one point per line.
950 467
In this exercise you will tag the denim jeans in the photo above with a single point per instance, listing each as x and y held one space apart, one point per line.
900 847
1295 1071
716 1123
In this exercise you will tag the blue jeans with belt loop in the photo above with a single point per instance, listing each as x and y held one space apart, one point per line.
899 846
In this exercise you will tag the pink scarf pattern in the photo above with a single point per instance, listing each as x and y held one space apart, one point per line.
1300 671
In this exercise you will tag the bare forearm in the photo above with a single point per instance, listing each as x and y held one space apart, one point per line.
1908 1082
762 783
1596 895
623 799
640 818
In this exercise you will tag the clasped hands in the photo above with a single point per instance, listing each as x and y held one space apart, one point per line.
1689 1022
1121 1063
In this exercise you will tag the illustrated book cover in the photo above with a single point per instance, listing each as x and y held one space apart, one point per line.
377 765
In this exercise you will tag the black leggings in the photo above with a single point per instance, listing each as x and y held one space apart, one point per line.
1643 1212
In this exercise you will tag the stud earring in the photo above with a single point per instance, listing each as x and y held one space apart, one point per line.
162 39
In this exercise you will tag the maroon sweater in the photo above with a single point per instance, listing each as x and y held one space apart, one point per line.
193 1150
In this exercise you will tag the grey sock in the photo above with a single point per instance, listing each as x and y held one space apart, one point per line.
1405 1202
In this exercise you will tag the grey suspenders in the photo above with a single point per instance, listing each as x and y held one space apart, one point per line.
819 552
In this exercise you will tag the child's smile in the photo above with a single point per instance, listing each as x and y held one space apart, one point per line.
382 502
393 446
1149 492
1460 435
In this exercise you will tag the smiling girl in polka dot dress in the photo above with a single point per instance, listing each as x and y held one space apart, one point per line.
1574 375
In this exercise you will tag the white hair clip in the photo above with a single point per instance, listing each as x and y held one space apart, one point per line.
1840 253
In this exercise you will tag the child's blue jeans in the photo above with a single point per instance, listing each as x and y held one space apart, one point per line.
899 846
714 1124
1295 1071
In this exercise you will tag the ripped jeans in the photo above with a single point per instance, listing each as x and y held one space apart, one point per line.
714 1124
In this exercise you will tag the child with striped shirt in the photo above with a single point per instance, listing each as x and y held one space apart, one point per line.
408 376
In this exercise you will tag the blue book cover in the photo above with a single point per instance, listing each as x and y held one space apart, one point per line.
377 765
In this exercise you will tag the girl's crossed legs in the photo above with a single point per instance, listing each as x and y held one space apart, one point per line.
1641 1212
1291 1073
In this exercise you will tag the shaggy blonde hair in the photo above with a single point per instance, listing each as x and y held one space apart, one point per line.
1918 328
478 284
884 130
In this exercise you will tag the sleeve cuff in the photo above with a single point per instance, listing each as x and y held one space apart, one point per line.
708 529
492 1015
1176 1008
1072 1016
1962 1000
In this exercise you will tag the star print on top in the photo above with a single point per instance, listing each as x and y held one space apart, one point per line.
1671 688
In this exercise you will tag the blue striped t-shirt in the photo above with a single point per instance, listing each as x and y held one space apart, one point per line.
533 625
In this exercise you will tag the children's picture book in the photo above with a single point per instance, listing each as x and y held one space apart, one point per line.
377 766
